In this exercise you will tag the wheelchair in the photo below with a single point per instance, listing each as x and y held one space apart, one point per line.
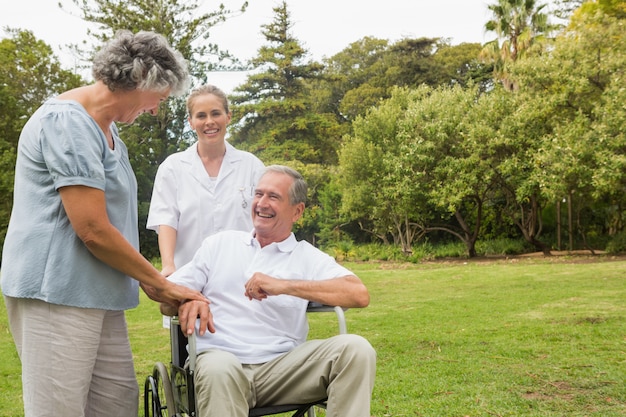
169 392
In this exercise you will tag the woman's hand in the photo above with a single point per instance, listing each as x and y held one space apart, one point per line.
173 294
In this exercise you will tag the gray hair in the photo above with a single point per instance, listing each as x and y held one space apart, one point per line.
143 61
206 89
298 189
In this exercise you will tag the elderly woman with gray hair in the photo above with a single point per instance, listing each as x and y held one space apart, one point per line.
71 264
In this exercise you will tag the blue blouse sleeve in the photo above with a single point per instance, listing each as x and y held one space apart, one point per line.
73 148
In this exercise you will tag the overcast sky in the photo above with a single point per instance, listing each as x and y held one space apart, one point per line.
324 27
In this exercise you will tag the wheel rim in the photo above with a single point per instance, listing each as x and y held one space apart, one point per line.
163 388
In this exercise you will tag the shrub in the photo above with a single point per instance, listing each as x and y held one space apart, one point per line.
617 244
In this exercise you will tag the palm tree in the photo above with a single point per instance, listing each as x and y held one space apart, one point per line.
518 24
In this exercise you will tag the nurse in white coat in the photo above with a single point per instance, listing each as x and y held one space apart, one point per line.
205 189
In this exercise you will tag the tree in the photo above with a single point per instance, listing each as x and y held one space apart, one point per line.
440 145
565 8
182 22
518 24
379 193
364 73
345 71
273 114
29 74
460 65
612 8
151 139
580 82
516 144
419 163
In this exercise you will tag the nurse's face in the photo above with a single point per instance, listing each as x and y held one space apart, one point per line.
209 118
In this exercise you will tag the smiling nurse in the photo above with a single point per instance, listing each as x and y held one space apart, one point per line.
204 189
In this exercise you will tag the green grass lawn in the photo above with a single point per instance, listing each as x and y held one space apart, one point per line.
507 338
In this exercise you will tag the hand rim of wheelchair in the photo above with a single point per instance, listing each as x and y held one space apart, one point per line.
154 404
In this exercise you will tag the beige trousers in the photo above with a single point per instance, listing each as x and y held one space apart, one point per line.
75 361
342 367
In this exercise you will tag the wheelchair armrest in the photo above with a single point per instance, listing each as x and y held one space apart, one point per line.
314 307
179 347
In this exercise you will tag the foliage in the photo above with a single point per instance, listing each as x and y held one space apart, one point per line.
517 144
617 244
347 71
29 74
437 147
371 177
272 109
368 70
425 250
613 8
419 163
579 86
184 23
460 65
429 156
519 24
565 8
315 176
331 222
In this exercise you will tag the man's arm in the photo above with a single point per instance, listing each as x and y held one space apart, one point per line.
347 291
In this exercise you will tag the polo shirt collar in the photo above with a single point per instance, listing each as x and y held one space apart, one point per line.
287 245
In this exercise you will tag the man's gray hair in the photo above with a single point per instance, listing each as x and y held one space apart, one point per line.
143 61
298 189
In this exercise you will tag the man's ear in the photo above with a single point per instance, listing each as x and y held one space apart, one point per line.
298 211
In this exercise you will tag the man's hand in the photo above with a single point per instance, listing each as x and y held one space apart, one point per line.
346 291
260 286
191 310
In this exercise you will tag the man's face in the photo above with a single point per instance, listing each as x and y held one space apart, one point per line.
272 214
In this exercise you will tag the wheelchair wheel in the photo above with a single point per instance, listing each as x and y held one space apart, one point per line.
159 397
151 404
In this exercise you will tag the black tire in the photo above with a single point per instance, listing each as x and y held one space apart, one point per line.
151 403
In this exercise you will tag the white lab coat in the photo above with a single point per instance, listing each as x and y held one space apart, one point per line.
187 199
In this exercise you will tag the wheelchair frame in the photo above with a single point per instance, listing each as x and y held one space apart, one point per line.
172 393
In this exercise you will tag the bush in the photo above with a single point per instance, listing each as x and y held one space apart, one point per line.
349 251
498 247
617 244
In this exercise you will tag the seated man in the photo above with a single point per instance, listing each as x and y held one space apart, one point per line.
255 352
